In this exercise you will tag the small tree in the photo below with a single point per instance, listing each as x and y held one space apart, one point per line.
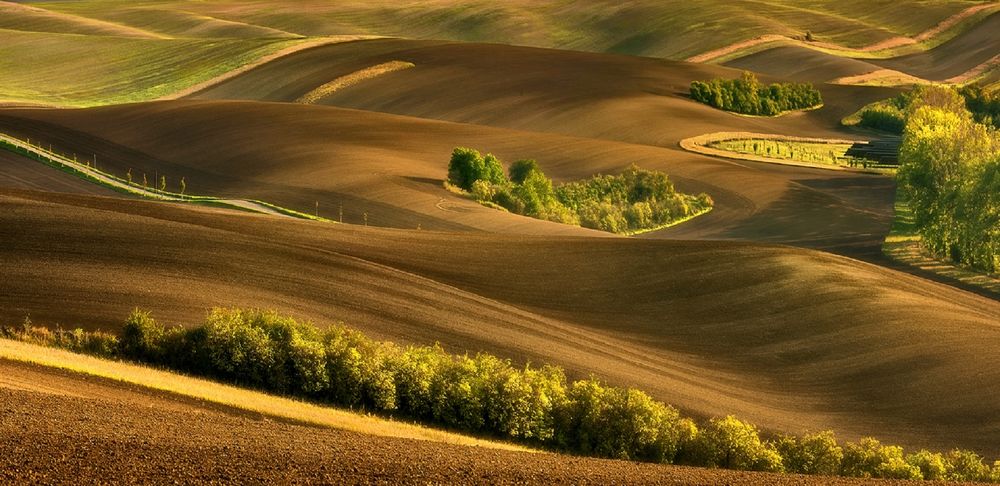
519 170
183 185
128 175
145 182
163 183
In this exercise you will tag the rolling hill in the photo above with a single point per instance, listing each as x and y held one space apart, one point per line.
713 327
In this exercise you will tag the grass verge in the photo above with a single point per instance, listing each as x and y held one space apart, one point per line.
239 398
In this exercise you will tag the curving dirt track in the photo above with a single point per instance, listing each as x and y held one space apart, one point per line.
104 427
790 339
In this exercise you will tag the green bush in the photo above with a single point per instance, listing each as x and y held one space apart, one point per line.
931 464
811 454
887 118
733 444
868 458
962 465
747 96
636 200
468 166
141 337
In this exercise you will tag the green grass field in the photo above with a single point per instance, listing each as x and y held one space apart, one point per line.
77 70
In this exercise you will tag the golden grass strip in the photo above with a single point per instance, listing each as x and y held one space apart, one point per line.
351 79
232 396
306 44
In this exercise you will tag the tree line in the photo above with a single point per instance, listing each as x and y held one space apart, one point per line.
635 200
890 115
487 396
950 176
748 96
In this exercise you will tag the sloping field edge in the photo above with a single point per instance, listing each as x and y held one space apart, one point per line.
348 80
306 44
230 396
96 176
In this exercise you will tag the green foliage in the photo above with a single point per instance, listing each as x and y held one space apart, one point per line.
141 337
468 166
961 465
520 170
950 175
486 395
811 454
636 200
931 464
885 117
733 444
747 96
868 458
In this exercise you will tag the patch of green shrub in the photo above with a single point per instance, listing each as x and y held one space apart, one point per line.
868 458
816 453
633 201
486 395
747 96
468 166
733 444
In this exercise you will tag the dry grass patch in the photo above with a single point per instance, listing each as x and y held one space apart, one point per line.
232 396
349 80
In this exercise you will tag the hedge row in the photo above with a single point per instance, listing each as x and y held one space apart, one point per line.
747 96
486 395
633 201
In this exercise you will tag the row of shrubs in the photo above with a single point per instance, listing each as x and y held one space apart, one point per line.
747 96
486 395
890 115
633 201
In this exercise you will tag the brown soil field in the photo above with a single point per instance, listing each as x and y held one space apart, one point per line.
787 338
64 428
623 98
392 167
953 58
974 47
802 64
18 172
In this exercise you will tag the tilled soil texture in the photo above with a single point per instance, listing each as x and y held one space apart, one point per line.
391 169
787 338
58 427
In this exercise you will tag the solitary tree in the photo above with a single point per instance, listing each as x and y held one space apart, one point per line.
163 183
183 185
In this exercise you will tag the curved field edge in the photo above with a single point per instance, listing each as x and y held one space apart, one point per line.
902 245
699 145
306 44
91 174
68 70
231 396
945 30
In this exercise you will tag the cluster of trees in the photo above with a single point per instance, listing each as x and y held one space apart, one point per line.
487 395
633 201
950 175
891 115
747 96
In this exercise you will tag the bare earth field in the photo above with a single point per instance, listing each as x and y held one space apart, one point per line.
713 327
62 428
